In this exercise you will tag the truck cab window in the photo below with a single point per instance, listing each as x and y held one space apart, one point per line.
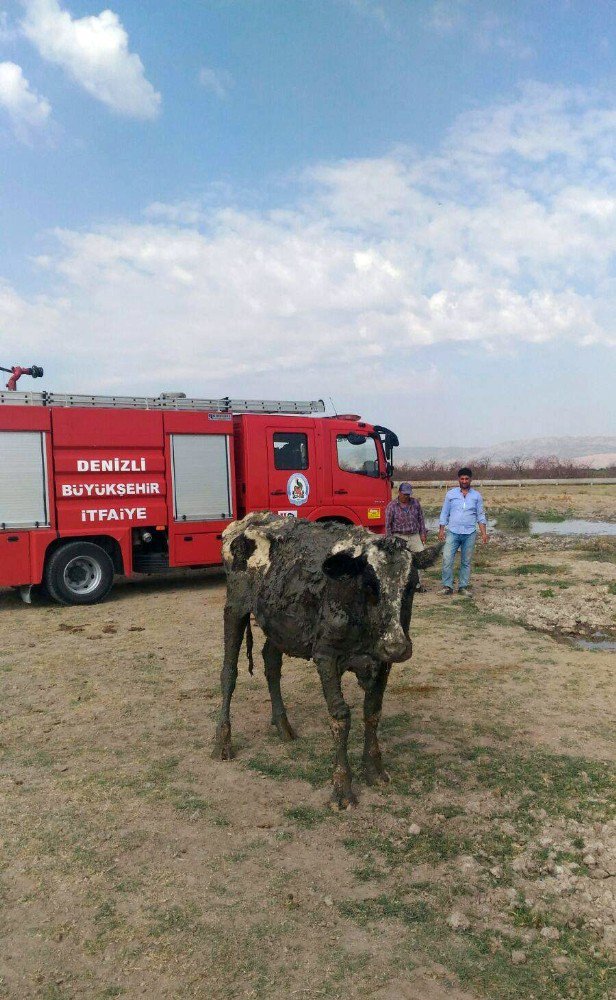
357 453
290 451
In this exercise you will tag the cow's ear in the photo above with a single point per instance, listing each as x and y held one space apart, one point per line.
241 550
344 564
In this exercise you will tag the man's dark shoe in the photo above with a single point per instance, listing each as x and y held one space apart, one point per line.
420 589
446 591
464 592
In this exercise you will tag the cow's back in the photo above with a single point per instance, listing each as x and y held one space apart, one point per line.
275 569
288 599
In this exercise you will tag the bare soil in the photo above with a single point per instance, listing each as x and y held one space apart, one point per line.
134 865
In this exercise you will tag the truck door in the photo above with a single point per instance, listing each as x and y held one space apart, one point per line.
201 496
292 470
356 469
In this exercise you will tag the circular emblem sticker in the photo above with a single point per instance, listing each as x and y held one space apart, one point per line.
298 489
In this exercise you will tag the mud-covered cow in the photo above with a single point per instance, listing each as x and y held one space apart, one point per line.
339 595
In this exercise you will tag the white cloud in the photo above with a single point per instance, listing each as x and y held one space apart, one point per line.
506 237
446 16
217 81
486 30
187 213
93 51
26 109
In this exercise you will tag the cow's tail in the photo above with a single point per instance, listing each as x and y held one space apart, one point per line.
249 645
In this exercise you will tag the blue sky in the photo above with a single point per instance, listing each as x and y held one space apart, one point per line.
406 206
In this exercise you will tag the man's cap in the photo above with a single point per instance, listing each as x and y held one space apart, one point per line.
406 488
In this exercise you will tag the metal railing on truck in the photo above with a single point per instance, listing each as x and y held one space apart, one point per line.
170 401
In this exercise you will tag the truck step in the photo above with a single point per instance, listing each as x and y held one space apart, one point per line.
151 562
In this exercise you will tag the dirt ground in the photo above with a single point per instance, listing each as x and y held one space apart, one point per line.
134 865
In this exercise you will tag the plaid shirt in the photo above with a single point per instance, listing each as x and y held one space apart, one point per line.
404 519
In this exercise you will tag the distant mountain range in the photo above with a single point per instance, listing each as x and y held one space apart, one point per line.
597 452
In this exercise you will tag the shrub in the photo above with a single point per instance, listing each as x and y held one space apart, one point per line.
527 568
553 516
513 520
547 467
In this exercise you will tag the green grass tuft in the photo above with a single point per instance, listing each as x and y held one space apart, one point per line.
306 816
598 550
174 920
513 520
554 516
527 569
370 910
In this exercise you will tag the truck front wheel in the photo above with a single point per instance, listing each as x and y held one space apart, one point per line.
79 573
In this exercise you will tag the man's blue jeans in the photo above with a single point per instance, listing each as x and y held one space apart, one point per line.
466 544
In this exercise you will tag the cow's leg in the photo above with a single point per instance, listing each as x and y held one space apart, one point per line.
272 657
235 626
373 702
340 723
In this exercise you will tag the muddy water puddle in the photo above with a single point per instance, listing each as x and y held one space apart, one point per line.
598 641
572 526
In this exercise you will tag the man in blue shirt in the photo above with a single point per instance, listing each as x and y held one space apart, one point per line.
461 515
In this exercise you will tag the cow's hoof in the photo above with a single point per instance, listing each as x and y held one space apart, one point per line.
344 799
222 744
375 775
285 729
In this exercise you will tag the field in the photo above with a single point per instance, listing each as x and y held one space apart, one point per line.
134 865
595 502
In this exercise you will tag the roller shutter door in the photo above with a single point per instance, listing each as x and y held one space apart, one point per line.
201 477
23 480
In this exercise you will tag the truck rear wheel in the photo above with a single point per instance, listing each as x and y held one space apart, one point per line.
79 573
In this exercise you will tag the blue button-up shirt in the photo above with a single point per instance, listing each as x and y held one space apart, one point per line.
460 513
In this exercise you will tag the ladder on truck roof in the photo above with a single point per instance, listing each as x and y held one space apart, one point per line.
167 401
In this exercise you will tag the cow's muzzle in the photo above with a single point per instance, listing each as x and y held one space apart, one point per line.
397 652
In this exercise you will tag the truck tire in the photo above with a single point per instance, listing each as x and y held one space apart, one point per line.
79 573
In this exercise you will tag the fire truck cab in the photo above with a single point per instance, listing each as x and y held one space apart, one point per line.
94 486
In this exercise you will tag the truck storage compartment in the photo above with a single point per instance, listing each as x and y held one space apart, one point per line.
201 477
14 558
23 484
202 497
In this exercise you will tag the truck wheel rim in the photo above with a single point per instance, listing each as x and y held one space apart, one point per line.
82 575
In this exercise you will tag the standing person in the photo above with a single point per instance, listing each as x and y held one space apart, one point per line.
461 515
404 518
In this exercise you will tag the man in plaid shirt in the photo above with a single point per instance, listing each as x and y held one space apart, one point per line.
404 518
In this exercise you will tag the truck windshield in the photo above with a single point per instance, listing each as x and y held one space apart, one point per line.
358 454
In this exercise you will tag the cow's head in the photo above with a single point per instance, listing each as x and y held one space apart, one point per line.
377 579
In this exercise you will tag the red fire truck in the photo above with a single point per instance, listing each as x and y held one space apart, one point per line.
93 486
